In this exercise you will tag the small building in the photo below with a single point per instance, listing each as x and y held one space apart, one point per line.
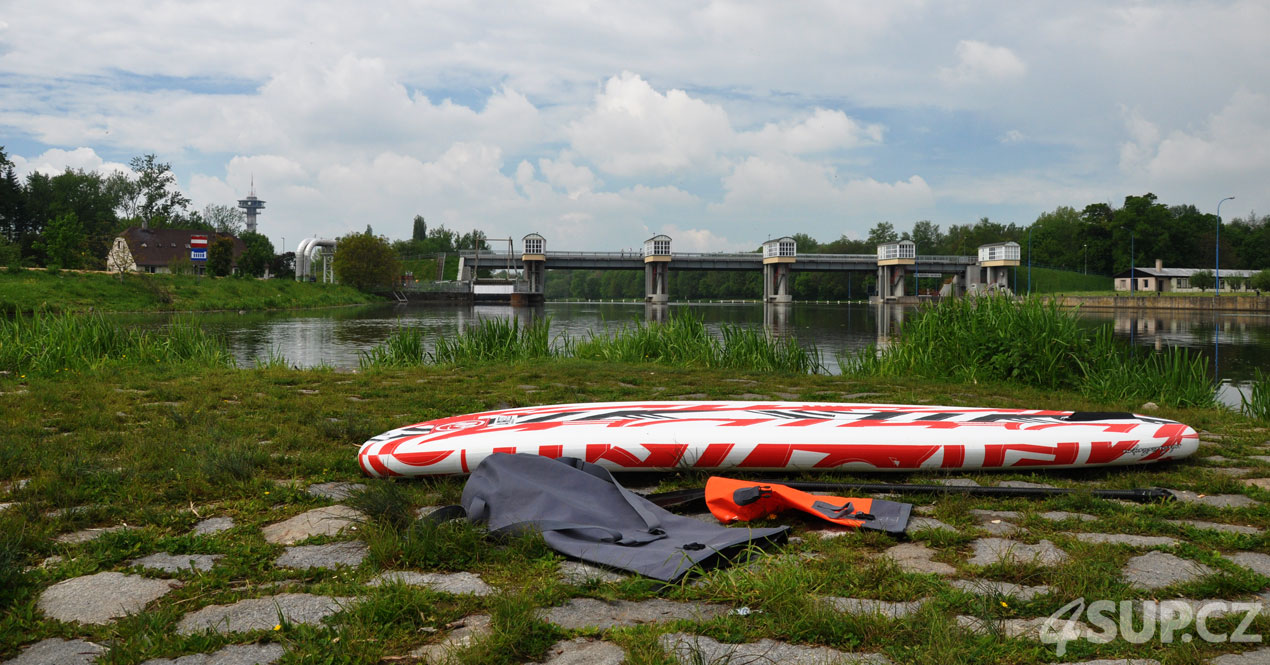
154 250
1158 279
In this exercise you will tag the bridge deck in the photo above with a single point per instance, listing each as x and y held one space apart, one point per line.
712 261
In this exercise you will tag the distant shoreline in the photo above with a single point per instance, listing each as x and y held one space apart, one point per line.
1260 304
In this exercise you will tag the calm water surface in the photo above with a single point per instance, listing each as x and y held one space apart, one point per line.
336 337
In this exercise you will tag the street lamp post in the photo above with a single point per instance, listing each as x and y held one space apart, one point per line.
1029 260
1085 256
1217 261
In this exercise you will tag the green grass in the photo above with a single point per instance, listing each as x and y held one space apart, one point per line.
64 291
1049 280
1257 402
159 449
1035 343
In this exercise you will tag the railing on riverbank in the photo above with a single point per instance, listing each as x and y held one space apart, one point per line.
1254 304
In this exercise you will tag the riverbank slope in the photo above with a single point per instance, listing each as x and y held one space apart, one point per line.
73 291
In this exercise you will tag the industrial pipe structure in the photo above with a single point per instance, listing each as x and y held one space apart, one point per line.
304 254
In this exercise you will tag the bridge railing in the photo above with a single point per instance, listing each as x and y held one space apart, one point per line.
757 256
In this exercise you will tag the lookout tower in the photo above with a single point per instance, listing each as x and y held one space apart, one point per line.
779 256
657 269
252 206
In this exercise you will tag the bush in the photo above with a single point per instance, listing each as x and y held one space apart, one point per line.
366 262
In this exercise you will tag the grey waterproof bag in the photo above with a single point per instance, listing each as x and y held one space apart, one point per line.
584 513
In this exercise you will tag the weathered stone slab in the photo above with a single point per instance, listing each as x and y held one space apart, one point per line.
991 550
213 525
1255 561
234 654
1123 539
327 521
594 613
1025 628
957 482
57 651
577 572
1260 458
1254 657
261 613
890 610
989 515
1156 570
1024 485
101 598
335 491
87 535
1214 526
584 651
999 527
455 583
981 587
918 523
695 649
916 558
1232 471
1214 500
175 563
1061 515
1262 483
330 555
462 634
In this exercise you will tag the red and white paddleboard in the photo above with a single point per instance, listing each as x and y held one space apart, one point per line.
780 436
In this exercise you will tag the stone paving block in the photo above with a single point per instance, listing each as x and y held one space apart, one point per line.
1123 539
1116 661
989 515
890 610
1025 628
330 555
175 563
1061 515
1156 570
57 651
455 583
988 551
918 523
335 491
591 612
577 572
701 650
462 634
1215 500
1024 485
261 613
999 527
1262 483
584 651
1254 657
1260 458
981 587
916 558
1232 471
101 598
213 525
957 482
327 521
86 535
1214 526
1255 561
234 654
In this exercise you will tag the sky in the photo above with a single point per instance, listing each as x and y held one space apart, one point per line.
600 124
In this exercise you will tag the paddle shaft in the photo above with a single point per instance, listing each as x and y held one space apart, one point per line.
683 497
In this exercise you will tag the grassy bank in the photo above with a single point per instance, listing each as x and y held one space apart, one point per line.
1049 280
159 448
63 291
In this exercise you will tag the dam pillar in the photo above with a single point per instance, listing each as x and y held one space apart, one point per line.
778 262
657 269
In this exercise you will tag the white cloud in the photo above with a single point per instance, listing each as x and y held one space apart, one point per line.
54 161
635 130
978 62
823 130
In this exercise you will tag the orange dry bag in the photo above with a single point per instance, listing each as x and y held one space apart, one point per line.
732 500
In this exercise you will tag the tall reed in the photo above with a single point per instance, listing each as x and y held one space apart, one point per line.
1257 402
46 343
1035 343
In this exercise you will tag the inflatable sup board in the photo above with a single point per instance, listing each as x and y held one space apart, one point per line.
780 436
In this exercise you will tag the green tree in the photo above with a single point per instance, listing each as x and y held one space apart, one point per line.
220 256
420 231
365 262
1261 280
881 234
224 219
927 237
63 242
256 258
1202 279
152 198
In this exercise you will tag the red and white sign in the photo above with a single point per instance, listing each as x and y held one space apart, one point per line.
198 242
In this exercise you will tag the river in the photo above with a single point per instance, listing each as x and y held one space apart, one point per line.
336 337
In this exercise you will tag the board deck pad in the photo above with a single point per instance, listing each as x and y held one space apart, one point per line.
780 436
